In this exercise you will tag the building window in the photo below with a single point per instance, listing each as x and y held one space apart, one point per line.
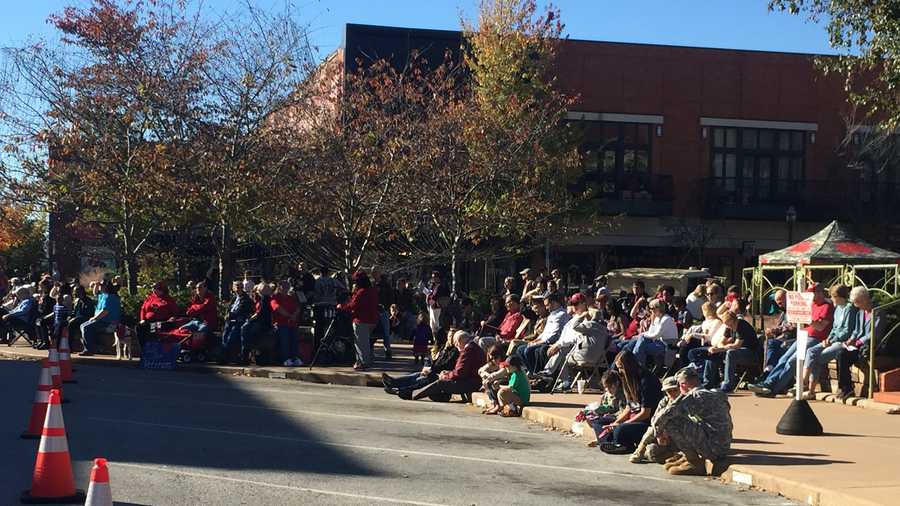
752 165
617 157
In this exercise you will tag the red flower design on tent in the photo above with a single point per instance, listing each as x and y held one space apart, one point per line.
852 248
801 247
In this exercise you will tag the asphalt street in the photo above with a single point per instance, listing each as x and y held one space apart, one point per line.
179 438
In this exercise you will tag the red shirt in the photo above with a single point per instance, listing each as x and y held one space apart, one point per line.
823 311
157 309
363 306
470 360
204 309
509 325
286 303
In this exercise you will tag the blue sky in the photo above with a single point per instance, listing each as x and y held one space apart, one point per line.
740 24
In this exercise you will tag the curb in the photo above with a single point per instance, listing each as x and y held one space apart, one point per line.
736 474
296 374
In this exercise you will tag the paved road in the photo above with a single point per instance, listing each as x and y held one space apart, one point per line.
181 438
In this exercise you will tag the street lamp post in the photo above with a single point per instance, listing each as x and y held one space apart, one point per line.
790 217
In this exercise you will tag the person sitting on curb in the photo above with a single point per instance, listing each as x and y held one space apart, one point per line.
604 411
642 392
444 360
491 374
463 379
697 424
649 448
515 395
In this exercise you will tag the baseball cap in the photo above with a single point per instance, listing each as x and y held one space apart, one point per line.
578 298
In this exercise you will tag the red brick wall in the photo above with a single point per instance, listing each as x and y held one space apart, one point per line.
682 84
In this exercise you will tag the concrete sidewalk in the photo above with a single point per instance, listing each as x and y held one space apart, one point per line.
401 363
856 462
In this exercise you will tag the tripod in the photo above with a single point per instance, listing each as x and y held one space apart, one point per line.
327 339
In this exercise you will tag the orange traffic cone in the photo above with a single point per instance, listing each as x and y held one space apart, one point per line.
39 407
65 358
53 356
52 481
99 493
55 375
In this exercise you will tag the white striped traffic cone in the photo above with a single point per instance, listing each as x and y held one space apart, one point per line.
55 376
99 493
65 358
39 407
52 480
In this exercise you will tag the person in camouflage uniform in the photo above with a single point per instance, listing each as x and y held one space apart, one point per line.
649 447
697 424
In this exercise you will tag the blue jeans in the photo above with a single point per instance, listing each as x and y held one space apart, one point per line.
644 346
819 355
781 377
413 381
534 356
287 339
733 359
231 335
775 349
196 326
628 434
89 331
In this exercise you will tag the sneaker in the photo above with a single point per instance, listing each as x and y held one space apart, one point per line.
758 389
298 362
289 363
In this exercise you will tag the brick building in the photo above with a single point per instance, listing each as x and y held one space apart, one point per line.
706 155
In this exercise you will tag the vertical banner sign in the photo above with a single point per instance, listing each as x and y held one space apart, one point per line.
799 311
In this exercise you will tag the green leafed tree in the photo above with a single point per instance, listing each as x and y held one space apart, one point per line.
866 33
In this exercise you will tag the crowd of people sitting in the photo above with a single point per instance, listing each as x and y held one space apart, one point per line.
669 361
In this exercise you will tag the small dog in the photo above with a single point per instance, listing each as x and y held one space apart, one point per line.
124 342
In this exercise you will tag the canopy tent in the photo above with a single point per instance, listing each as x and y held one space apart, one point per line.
834 244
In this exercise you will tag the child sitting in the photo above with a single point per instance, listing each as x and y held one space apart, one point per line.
61 311
604 412
421 338
491 374
649 448
683 318
515 395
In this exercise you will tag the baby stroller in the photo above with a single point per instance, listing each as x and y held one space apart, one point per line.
194 347
337 346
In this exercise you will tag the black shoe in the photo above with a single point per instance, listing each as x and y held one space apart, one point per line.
615 448
391 391
387 381
405 394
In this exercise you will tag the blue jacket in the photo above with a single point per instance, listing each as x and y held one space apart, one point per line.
24 311
863 332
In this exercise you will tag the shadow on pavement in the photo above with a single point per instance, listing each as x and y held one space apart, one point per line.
116 413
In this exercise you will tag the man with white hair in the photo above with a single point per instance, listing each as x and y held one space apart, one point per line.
21 317
862 337
463 379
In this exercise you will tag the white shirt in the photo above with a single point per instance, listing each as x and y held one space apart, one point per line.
569 335
554 326
662 328
694 304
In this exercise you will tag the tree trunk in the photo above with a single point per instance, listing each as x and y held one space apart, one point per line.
225 262
453 273
131 272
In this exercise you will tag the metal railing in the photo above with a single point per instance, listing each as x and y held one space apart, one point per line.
875 344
